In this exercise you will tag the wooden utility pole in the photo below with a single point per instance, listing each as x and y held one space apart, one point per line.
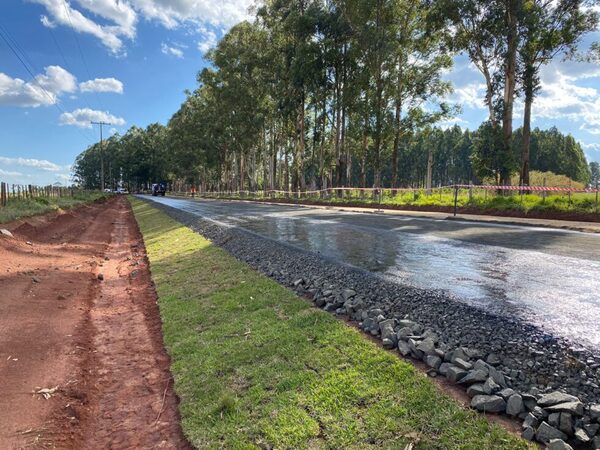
101 154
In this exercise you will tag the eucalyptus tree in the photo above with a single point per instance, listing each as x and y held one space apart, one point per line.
477 26
237 81
418 89
372 23
548 28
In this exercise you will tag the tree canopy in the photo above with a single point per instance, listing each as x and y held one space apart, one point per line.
314 94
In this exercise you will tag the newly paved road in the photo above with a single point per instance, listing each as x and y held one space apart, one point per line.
548 277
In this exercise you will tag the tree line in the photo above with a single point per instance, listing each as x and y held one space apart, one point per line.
315 94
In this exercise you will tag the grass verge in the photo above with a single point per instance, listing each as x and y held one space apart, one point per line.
17 209
257 367
557 206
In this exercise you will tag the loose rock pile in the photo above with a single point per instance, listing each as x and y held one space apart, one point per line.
551 418
506 366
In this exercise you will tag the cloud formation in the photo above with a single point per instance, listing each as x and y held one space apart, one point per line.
120 17
30 170
173 51
102 85
208 40
8 173
40 164
44 90
120 14
82 118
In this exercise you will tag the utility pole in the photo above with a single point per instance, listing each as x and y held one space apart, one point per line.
101 154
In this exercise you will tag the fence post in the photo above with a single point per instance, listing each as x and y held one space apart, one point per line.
596 196
544 192
455 198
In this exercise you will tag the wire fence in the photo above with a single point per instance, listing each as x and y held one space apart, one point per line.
16 192
455 196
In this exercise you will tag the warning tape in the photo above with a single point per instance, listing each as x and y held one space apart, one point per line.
377 190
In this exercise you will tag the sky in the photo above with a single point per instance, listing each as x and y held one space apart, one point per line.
129 62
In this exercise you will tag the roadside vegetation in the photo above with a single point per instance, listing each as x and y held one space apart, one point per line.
320 94
443 199
19 208
257 367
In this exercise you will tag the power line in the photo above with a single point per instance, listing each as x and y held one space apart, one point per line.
59 49
22 57
85 65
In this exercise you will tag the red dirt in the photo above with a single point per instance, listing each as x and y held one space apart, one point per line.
98 341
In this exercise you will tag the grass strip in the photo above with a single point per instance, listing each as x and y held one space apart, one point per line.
257 367
578 203
19 208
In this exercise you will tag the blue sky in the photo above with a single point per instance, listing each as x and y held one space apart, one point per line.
128 62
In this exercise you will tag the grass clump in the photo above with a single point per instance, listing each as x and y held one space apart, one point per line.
257 367
19 208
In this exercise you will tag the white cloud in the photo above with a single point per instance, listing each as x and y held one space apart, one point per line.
32 171
173 13
83 116
120 17
45 90
102 85
40 164
174 51
208 40
470 95
120 14
449 123
8 173
564 96
593 146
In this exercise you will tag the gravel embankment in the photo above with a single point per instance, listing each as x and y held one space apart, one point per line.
507 364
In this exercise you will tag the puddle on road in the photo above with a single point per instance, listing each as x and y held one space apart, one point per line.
561 294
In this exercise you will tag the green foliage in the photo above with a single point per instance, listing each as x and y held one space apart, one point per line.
348 93
552 151
257 367
19 208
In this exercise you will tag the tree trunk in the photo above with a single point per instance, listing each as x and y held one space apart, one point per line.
529 88
429 171
510 70
299 159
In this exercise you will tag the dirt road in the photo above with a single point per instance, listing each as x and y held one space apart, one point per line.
79 319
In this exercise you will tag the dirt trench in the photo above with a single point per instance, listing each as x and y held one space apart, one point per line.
79 322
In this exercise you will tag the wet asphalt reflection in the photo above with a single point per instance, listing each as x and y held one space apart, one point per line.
550 278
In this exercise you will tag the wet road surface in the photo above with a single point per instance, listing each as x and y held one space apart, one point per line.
548 277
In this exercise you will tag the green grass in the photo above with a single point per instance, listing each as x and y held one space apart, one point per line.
584 203
257 367
16 209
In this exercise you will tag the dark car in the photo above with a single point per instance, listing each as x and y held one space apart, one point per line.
158 189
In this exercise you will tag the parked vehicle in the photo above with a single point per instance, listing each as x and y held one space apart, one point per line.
158 189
